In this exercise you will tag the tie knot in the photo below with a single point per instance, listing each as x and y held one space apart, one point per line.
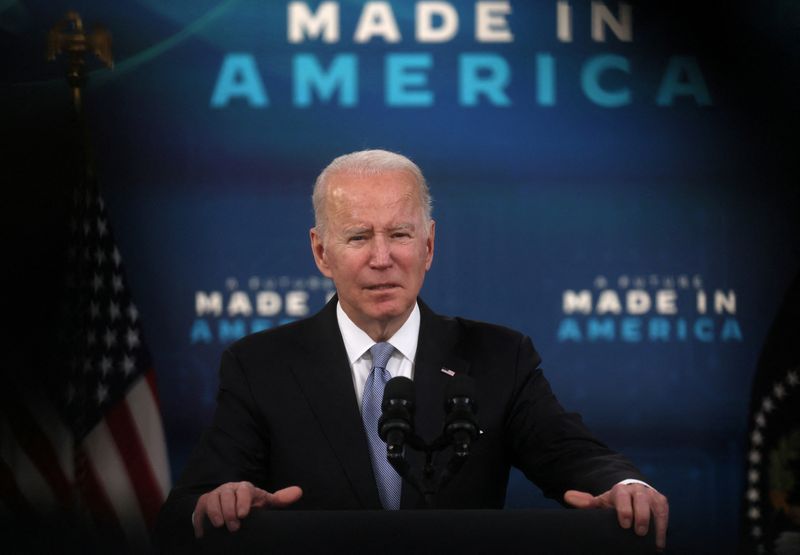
381 352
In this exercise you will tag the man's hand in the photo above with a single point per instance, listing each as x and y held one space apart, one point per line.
634 504
231 502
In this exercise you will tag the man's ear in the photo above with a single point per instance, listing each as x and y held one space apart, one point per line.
429 243
318 250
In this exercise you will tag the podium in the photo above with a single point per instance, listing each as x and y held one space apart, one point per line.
543 532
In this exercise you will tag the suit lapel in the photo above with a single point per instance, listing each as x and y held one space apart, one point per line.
326 381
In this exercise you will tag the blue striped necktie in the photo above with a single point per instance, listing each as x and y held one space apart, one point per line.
387 479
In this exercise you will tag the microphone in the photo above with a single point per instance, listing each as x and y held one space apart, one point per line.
396 424
460 425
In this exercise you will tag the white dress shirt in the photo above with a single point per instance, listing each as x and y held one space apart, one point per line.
357 344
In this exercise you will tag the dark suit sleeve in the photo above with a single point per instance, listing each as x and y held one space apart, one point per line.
234 448
551 446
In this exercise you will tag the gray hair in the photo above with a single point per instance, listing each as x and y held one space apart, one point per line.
365 163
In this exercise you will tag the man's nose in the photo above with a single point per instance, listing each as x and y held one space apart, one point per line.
381 252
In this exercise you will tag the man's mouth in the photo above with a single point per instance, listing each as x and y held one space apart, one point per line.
381 287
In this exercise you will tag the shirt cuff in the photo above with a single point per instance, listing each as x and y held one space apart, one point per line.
633 481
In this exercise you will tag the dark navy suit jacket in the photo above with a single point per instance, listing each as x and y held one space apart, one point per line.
287 415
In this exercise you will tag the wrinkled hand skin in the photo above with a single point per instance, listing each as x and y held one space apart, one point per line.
635 505
231 502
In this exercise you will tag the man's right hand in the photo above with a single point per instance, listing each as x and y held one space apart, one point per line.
231 502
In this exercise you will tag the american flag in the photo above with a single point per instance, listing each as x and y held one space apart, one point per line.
90 440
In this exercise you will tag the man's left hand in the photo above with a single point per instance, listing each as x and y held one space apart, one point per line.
634 504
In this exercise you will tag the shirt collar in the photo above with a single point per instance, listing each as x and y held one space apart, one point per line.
357 342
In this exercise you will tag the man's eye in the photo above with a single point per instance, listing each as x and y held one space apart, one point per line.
401 235
357 238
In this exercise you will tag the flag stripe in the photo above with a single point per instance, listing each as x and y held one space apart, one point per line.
39 450
11 494
134 457
143 404
93 493
113 479
33 487
57 433
151 381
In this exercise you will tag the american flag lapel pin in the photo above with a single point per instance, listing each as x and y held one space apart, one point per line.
448 372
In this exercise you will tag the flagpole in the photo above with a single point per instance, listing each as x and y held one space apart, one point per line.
69 41
69 38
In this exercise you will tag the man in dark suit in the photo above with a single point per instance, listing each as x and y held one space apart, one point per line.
294 403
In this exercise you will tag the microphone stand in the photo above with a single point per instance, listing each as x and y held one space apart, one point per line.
396 428
428 484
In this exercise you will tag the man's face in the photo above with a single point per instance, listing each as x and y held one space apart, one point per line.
376 247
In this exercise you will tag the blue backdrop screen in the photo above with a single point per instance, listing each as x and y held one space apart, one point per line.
615 179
